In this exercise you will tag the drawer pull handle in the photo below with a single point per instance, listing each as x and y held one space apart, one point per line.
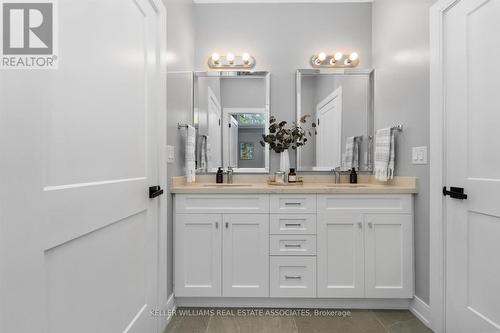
292 204
293 277
216 225
293 245
292 225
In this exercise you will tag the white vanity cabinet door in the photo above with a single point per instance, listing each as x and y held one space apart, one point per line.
245 255
197 244
388 256
340 255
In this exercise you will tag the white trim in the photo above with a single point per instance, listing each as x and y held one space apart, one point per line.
281 1
437 165
421 310
396 304
170 307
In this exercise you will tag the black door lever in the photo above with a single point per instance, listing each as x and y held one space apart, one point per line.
455 193
155 191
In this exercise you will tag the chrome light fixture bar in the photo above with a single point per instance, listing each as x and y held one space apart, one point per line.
337 60
231 61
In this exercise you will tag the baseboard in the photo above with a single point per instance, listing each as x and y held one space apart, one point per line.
421 310
333 303
169 309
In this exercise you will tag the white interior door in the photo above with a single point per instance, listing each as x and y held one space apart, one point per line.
472 162
329 137
80 147
214 131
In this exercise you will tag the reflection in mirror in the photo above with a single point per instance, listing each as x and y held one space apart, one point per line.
231 110
341 104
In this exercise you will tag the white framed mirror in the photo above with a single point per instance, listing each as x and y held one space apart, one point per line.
231 113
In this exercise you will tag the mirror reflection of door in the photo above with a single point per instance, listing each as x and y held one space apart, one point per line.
233 141
214 131
329 137
243 130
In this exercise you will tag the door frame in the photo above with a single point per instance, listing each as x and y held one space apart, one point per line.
437 300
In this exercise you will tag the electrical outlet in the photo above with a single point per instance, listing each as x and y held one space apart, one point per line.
419 155
170 154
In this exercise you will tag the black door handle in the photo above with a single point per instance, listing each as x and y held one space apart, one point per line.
155 191
455 193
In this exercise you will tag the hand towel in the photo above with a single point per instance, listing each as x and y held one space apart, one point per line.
351 152
190 154
384 154
203 166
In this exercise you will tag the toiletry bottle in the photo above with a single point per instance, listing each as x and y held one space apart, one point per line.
220 176
292 176
353 177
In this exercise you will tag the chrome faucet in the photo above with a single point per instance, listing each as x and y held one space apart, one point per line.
338 172
230 173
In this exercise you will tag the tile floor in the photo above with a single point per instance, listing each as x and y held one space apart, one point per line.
357 321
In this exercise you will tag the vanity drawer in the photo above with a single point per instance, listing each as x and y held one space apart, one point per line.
369 203
293 245
293 224
293 203
221 203
293 276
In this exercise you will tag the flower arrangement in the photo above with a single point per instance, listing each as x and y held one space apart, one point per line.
282 138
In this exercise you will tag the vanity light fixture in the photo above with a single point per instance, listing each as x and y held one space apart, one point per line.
337 60
231 61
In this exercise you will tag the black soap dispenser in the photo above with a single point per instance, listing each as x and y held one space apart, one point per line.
220 176
353 177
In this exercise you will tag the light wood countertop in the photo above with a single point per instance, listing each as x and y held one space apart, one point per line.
312 184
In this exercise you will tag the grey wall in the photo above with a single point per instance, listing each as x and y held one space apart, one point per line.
282 37
180 47
401 61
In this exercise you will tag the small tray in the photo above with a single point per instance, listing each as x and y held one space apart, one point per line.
273 183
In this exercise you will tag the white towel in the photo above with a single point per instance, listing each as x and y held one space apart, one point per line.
351 152
202 148
384 154
190 154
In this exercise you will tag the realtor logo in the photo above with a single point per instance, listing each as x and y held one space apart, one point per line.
28 35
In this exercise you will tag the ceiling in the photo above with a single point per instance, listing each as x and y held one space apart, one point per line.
282 1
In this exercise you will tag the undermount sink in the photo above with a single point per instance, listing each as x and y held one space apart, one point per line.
227 185
346 185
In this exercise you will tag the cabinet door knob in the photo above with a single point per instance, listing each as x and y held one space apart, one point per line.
227 225
360 225
216 225
370 224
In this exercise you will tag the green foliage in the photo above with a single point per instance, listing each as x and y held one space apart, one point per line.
281 138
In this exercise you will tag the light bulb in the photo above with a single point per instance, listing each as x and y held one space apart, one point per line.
347 62
230 57
215 58
353 56
322 56
338 56
245 57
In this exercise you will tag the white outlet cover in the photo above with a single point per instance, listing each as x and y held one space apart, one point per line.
419 155
170 154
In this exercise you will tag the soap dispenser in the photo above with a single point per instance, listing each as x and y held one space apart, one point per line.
353 177
220 176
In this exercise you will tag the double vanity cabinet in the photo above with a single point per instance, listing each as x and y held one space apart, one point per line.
293 245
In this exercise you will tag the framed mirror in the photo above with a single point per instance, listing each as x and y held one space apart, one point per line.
341 104
231 113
